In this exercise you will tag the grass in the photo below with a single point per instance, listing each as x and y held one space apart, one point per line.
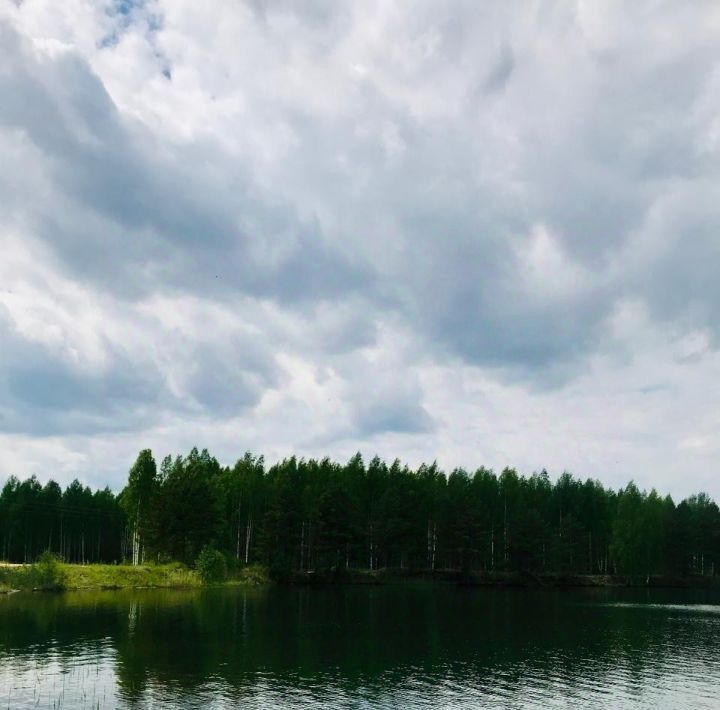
251 576
129 577
54 575
45 574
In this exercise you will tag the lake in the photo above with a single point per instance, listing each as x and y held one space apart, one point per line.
402 646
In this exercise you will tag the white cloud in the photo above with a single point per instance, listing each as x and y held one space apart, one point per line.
482 234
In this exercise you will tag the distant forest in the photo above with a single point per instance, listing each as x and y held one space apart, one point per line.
302 515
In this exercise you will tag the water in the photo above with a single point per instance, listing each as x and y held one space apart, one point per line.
360 647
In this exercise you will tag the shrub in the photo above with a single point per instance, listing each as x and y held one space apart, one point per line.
254 575
47 573
211 565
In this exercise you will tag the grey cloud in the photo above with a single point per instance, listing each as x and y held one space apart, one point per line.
384 397
126 206
408 197
44 393
676 269
592 166
391 416
501 72
311 13
229 378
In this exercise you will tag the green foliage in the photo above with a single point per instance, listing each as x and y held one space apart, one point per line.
137 500
174 575
187 513
211 565
253 575
46 574
76 524
313 515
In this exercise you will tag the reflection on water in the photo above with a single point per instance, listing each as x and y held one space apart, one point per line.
360 647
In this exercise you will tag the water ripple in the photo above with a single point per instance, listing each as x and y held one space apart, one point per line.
353 649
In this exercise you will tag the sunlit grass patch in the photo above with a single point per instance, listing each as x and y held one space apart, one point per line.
50 574
127 576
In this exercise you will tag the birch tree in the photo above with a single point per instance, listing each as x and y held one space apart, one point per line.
137 502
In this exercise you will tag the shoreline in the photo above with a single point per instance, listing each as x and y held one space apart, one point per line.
176 576
76 577
522 580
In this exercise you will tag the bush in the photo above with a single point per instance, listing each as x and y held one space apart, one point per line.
47 572
211 565
255 575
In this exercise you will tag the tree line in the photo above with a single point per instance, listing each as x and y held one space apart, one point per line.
76 524
305 515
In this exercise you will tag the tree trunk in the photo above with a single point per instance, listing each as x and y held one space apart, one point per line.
492 548
237 545
371 547
248 533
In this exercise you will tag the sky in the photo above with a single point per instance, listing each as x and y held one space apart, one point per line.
476 233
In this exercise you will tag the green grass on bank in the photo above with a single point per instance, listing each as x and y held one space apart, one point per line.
45 574
128 576
172 575
49 574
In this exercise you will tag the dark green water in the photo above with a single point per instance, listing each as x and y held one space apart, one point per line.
360 647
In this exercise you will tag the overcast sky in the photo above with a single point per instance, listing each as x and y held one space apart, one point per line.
482 233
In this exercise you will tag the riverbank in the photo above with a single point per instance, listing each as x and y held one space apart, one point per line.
128 577
70 577
61 576
526 580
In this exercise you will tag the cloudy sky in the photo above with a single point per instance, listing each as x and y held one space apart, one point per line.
482 233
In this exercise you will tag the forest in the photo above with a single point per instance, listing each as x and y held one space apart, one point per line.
308 515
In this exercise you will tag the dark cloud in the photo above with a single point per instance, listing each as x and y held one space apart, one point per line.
142 215
502 70
44 392
391 416
126 206
228 378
